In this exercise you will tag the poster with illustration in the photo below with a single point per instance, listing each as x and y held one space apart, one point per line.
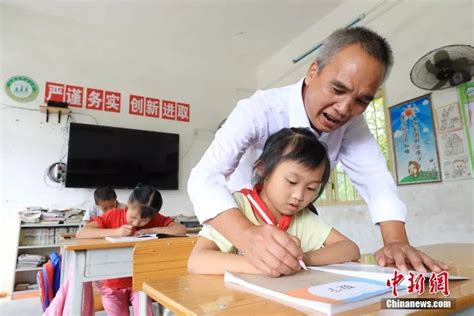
414 141
448 118
454 154
466 101
456 168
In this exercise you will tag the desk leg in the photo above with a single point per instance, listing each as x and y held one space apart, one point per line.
77 285
65 263
142 300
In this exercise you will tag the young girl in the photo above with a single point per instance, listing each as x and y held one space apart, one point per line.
140 217
290 174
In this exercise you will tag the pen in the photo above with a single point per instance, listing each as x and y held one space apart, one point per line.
269 222
303 265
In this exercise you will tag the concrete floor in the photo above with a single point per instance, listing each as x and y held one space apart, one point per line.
32 307
25 307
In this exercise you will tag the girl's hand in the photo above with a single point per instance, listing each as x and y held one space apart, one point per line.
124 230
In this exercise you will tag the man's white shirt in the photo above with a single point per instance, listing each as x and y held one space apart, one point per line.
227 164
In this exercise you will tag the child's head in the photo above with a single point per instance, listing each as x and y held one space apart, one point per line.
293 170
144 202
105 198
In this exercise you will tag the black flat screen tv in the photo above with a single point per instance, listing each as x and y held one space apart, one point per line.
121 158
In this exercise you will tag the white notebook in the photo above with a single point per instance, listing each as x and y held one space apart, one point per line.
317 290
131 238
140 237
329 289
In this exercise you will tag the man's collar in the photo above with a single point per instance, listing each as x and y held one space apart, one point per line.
297 111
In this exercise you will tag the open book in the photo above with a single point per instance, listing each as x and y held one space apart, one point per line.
140 237
329 289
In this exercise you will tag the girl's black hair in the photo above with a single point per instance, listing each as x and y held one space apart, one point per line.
298 144
148 198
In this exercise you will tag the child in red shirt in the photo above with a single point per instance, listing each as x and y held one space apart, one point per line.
140 217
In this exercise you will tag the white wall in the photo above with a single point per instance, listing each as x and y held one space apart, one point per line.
50 48
441 212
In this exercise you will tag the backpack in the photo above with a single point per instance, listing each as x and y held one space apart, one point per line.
49 278
56 261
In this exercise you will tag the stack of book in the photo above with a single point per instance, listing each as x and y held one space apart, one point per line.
39 215
31 214
52 217
23 286
44 236
73 215
190 222
329 289
28 261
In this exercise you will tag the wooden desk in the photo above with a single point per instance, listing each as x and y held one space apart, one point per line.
95 259
202 295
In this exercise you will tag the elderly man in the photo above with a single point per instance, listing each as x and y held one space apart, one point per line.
339 85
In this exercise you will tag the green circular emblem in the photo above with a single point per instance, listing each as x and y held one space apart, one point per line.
21 89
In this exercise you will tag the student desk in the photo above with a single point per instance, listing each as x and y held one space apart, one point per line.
95 259
203 294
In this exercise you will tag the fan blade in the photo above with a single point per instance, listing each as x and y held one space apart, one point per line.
441 59
439 84
461 63
431 68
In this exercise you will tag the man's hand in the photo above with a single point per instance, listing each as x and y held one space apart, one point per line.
400 254
270 250
398 251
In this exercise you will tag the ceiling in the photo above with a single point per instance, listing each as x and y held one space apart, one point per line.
243 31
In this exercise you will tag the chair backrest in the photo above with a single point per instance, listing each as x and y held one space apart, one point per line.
159 259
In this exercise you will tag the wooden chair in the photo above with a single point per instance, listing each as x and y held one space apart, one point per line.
159 259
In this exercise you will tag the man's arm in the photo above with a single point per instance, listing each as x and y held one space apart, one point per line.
366 166
268 249
397 250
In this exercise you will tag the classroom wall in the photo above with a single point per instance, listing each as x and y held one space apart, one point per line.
51 48
437 212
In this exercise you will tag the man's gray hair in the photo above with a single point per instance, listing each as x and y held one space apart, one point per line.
372 43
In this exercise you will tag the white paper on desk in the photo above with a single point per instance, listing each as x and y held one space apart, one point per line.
131 238
372 272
